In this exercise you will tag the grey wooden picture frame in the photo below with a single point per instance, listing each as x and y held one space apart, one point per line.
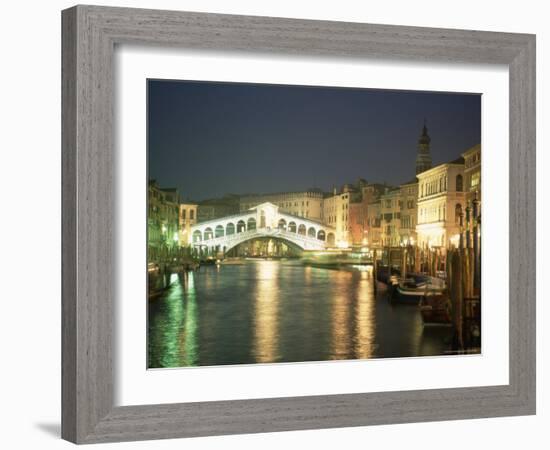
90 34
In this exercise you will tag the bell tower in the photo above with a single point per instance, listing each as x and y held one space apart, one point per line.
423 157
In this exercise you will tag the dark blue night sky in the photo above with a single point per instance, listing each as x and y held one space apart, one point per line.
211 139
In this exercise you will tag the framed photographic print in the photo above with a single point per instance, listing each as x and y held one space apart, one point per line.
275 224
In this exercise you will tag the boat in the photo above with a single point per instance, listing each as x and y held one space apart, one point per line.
436 310
232 262
414 288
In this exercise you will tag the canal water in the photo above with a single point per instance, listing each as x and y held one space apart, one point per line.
264 311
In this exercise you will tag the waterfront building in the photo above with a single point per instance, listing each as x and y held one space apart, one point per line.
187 218
408 212
307 204
217 207
390 213
472 226
440 205
472 174
357 230
374 224
423 157
162 217
336 213
359 212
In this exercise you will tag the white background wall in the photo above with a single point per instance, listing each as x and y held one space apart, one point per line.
30 221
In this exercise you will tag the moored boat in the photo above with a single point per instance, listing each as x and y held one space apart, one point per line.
414 288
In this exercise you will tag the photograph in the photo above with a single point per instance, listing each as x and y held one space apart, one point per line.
293 224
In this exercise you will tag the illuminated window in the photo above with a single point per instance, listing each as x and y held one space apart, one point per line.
474 182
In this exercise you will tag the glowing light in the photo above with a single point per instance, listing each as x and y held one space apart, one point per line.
342 244
455 240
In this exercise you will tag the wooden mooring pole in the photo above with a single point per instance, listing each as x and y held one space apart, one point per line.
375 272
457 297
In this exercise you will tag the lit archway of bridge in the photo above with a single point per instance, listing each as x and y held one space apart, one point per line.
262 221
230 229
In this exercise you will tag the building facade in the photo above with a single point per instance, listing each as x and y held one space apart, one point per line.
187 218
307 204
409 212
374 224
217 207
336 213
441 202
359 212
472 174
390 214
162 217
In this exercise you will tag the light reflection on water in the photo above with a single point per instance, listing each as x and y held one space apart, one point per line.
281 311
266 312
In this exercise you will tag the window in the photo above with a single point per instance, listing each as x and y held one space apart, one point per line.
458 212
192 214
459 183
475 180
183 211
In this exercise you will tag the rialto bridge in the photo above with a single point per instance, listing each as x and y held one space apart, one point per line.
262 221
